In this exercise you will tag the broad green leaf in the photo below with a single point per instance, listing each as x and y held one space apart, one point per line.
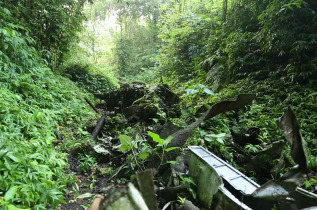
10 193
6 11
125 148
218 137
168 140
143 155
124 139
49 139
5 46
7 163
206 90
220 140
156 138
312 94
14 158
188 180
202 133
125 143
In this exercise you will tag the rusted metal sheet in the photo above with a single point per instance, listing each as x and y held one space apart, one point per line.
236 190
239 187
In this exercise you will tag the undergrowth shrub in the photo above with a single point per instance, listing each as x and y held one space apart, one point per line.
34 104
272 99
93 78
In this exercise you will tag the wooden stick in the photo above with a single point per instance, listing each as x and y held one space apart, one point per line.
98 126
92 106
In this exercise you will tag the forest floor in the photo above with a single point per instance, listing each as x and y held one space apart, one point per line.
83 186
104 166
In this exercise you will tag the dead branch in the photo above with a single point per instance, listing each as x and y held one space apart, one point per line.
92 106
98 126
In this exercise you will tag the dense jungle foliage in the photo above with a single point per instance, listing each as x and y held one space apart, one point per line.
36 104
53 54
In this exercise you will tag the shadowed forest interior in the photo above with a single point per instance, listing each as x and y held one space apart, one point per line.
94 92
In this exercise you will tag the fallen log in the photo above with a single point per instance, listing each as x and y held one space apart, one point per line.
98 126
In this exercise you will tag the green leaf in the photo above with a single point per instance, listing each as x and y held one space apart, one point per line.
49 139
218 137
10 193
7 163
125 143
6 11
171 148
201 86
144 155
312 94
14 158
156 138
125 148
206 90
220 140
308 184
168 140
12 207
185 112
188 180
5 46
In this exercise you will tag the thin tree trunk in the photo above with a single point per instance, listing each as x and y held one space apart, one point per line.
224 11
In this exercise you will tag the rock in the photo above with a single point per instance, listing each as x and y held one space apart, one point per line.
189 206
138 103
123 97
181 164
169 98
101 150
165 130
131 112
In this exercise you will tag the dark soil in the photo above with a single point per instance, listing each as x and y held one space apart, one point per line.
87 183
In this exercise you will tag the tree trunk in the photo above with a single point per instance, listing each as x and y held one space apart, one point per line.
224 11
